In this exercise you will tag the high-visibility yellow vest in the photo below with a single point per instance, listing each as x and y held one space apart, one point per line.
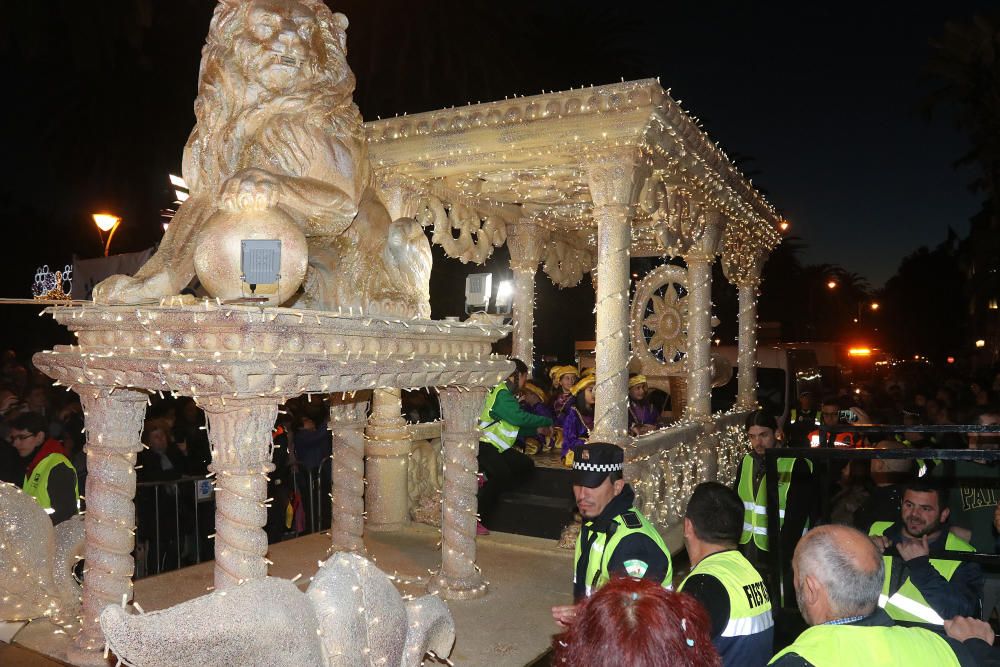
36 485
755 505
749 602
497 432
626 523
836 645
908 604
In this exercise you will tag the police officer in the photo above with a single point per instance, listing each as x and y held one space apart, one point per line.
795 498
920 586
723 580
49 477
615 537
838 576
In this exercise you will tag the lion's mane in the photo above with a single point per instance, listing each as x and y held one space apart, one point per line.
322 94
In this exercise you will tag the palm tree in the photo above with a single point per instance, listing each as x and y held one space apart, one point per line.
966 62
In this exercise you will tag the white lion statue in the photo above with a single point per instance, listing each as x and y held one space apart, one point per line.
277 128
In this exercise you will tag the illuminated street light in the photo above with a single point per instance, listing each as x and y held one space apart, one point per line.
832 284
874 305
106 222
980 343
783 225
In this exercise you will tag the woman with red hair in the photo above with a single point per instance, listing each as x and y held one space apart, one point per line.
638 623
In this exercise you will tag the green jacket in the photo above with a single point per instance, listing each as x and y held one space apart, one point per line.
505 412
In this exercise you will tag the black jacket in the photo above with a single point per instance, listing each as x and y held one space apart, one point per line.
959 596
635 546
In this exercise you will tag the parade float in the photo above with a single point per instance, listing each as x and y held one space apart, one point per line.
573 182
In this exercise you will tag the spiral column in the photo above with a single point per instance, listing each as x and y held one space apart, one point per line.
347 423
113 421
387 457
240 432
459 577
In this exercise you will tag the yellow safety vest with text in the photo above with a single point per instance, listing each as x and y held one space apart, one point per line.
749 602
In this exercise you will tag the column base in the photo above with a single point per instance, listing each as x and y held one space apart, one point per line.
457 589
386 527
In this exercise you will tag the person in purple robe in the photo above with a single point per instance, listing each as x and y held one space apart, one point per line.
563 379
642 414
532 399
578 420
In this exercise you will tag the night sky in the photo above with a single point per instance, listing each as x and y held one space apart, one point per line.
819 105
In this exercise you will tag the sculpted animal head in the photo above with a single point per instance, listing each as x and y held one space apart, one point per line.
263 57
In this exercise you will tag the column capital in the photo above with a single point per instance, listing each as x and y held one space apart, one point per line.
705 234
526 241
615 177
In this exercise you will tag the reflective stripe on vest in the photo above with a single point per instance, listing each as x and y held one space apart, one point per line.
755 507
497 432
839 440
749 604
832 645
603 548
37 485
908 604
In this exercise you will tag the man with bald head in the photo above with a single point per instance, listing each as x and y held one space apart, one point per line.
838 578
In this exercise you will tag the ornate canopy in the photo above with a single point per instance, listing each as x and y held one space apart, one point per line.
524 161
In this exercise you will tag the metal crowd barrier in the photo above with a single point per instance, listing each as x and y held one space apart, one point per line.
827 453
190 503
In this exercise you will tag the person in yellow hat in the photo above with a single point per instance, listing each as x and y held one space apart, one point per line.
642 415
578 420
533 399
563 378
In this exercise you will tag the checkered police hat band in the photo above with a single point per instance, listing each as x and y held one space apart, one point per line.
597 467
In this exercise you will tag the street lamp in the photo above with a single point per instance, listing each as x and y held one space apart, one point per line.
106 222
832 284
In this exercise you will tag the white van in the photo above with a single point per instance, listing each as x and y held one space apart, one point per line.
782 374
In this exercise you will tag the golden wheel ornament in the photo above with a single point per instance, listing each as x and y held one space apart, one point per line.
660 318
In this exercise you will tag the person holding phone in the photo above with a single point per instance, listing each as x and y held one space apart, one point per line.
830 415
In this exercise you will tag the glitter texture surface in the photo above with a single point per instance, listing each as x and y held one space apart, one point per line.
36 562
350 616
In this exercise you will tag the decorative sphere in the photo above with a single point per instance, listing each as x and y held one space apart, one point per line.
218 248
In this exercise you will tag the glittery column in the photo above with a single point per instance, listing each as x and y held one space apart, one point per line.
240 432
612 353
387 455
459 578
525 241
699 367
347 422
746 397
113 422
613 187
523 344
